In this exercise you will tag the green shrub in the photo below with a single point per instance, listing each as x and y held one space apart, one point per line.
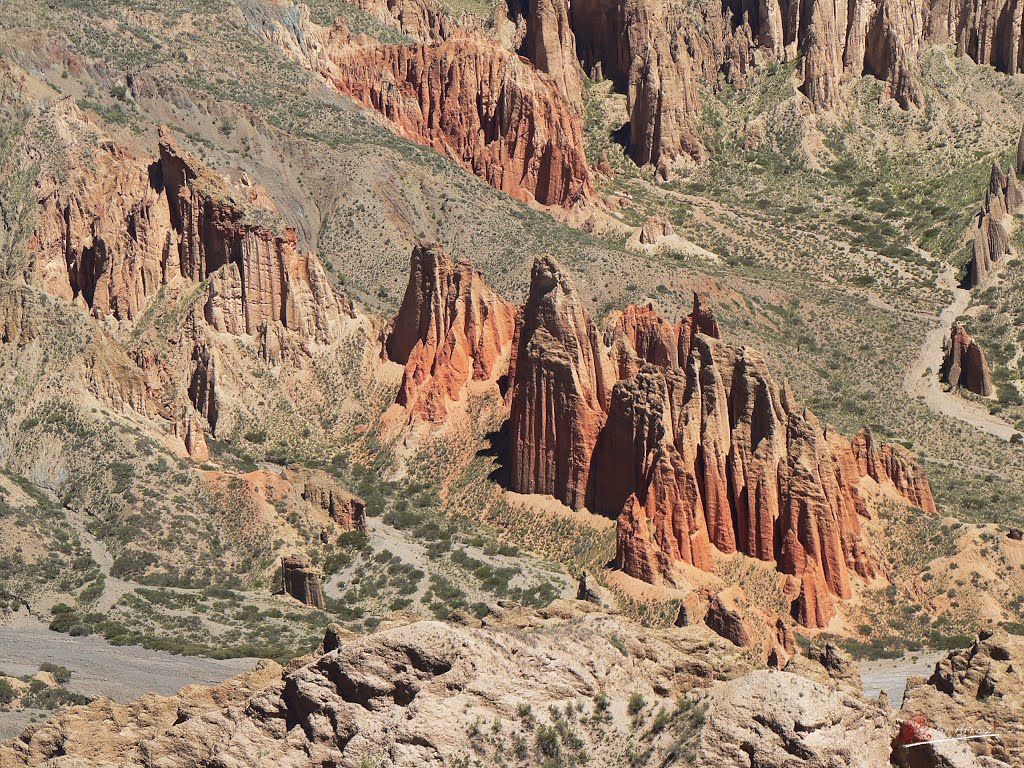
61 674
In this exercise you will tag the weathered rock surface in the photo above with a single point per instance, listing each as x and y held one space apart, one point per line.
560 386
302 581
654 229
466 96
119 228
425 21
730 614
978 689
106 733
991 243
451 328
321 490
893 465
710 455
770 718
965 364
639 44
551 45
414 692
1004 198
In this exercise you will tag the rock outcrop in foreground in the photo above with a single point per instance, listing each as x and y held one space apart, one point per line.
426 694
466 96
691 444
965 364
975 690
451 328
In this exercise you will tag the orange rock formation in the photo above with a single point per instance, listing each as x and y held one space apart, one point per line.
695 448
451 327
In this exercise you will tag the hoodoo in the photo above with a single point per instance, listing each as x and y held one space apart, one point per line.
120 228
451 328
560 386
965 364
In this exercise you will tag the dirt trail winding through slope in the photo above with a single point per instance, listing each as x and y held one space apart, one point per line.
922 377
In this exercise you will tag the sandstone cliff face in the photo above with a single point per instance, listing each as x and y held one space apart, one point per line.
465 96
323 492
425 21
1003 198
451 328
980 687
696 449
965 364
120 229
551 45
559 389
639 44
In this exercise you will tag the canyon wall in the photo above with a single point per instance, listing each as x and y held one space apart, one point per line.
465 95
120 228
123 236
685 439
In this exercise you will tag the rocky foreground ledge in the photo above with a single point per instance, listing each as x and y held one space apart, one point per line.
563 686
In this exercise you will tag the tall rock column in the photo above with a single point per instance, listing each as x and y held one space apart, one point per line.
551 46
560 388
965 364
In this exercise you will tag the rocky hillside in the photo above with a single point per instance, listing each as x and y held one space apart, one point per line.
428 693
416 317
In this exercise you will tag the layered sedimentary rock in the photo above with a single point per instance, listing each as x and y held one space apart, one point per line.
301 580
551 45
347 510
466 96
451 328
120 228
696 448
413 692
638 467
892 464
965 364
978 689
560 386
991 243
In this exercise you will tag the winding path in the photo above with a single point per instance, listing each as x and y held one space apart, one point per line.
921 379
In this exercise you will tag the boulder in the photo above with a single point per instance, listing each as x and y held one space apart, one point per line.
654 229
